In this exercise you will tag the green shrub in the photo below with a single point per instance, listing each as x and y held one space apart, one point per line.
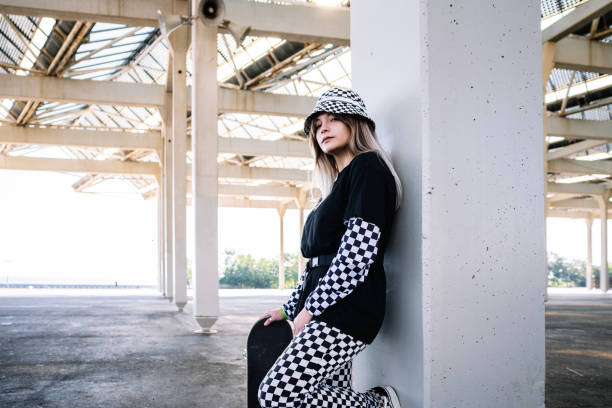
245 271
562 272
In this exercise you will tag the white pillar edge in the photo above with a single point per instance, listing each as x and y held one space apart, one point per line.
178 46
204 147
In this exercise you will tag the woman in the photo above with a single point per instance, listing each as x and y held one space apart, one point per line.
339 303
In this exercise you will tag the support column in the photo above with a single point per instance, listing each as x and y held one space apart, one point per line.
603 270
301 203
178 46
167 191
281 209
548 63
589 264
160 237
204 148
467 250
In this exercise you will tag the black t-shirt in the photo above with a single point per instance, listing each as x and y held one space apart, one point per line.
365 188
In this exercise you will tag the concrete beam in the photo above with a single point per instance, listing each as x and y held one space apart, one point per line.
80 138
577 18
246 203
561 213
580 167
574 213
581 54
143 168
253 147
80 91
263 103
568 150
130 12
146 141
575 203
258 191
579 129
561 196
263 173
303 23
122 93
577 188
79 166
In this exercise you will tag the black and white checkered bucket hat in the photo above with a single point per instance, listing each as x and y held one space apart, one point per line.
336 100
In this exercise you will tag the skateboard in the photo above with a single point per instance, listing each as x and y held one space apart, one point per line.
264 345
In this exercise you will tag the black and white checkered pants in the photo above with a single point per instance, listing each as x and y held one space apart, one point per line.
315 371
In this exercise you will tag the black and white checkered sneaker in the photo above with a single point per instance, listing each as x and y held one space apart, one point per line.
336 100
387 396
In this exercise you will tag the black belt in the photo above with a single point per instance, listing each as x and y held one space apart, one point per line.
321 260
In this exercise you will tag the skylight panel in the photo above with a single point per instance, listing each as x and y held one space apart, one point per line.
552 7
114 49
158 55
106 62
601 82
595 156
225 72
314 75
581 179
88 47
344 82
5 107
96 76
70 107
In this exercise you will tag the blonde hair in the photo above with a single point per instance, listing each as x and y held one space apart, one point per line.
363 139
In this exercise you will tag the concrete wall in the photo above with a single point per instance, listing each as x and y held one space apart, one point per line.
455 90
385 45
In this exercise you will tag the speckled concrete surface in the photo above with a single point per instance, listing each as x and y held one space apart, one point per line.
114 348
121 351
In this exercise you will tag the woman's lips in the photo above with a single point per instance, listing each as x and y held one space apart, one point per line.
326 139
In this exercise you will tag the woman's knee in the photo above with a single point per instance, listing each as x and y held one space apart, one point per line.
274 397
266 396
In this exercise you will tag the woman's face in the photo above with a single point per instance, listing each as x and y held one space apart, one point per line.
332 134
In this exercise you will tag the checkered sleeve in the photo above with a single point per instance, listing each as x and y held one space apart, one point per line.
350 266
291 305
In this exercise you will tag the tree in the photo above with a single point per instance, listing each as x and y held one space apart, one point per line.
562 272
245 271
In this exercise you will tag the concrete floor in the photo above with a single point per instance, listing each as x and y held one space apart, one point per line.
579 350
132 349
121 351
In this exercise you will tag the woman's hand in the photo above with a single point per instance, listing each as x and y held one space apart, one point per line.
300 321
273 315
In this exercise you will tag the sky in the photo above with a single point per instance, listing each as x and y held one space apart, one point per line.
51 234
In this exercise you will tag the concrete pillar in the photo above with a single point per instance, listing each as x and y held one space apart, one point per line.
548 63
457 102
281 209
167 192
589 264
603 270
160 238
301 263
301 202
178 46
204 148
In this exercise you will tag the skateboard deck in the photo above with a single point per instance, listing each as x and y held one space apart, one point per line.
264 345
